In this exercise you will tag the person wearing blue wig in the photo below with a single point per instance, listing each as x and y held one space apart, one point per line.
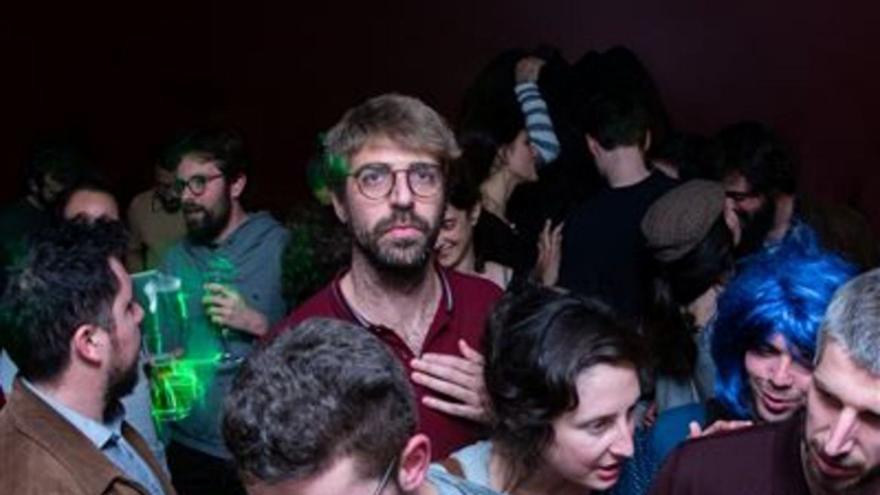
763 342
765 336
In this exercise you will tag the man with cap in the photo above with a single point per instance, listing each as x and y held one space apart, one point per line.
690 235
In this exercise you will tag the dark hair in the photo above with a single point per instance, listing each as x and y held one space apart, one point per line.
784 291
63 282
538 342
614 118
322 390
225 147
63 156
675 285
491 116
489 104
462 190
693 155
618 70
757 153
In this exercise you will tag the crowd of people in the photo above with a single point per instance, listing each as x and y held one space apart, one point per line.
559 294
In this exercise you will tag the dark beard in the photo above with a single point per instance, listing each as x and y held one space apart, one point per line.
404 258
206 229
755 228
122 383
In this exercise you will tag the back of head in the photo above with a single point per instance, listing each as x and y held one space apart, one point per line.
324 390
63 159
224 147
538 342
853 321
404 120
783 292
463 190
620 69
756 152
614 118
63 282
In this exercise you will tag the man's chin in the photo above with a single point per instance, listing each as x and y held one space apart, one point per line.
831 477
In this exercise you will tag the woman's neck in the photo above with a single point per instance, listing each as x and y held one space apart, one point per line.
542 481
496 191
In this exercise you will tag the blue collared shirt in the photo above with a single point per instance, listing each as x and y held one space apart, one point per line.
107 437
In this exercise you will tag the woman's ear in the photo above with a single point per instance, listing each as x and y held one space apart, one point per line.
414 462
474 214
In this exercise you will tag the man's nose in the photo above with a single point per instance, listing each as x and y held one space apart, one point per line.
401 194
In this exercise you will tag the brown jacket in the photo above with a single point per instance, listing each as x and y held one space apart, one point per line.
41 453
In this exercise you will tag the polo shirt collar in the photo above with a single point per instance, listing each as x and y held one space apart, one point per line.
447 302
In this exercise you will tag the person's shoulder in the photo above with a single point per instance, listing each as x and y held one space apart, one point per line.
263 225
29 466
447 484
741 458
321 304
472 290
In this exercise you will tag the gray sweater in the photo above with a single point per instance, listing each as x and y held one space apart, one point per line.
252 254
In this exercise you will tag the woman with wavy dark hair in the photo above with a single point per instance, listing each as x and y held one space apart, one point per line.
562 375
505 133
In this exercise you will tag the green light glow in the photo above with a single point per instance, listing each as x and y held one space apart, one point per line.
176 387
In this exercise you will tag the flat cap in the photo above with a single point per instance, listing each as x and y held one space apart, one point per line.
677 221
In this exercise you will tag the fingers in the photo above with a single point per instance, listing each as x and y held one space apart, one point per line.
447 366
455 409
458 378
446 387
720 426
469 353
694 430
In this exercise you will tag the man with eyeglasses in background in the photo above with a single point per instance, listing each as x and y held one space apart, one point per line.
229 264
760 173
386 161
154 217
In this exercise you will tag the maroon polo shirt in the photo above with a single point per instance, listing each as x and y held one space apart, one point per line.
461 314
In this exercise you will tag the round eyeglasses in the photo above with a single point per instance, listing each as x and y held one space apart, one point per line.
196 184
377 180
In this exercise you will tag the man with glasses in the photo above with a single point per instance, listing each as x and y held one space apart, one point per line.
760 177
327 409
386 163
229 264
154 219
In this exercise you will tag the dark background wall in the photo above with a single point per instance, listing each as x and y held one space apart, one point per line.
125 75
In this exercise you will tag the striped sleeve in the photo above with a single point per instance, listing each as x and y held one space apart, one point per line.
539 127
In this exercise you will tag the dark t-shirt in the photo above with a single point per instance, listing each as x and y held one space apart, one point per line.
495 240
603 250
461 314
763 460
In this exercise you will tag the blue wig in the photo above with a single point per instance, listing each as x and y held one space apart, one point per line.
782 291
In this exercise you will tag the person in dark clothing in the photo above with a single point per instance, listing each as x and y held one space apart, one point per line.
759 172
603 253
